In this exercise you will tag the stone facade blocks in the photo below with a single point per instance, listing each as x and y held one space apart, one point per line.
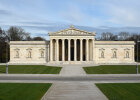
72 46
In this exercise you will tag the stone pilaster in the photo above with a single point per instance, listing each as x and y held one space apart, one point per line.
69 48
63 49
81 49
93 49
57 49
75 49
51 50
87 49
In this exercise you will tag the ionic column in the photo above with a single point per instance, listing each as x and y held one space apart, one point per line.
69 56
57 49
51 50
81 49
93 49
87 49
63 50
75 50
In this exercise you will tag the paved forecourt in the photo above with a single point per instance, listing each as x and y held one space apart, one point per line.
73 90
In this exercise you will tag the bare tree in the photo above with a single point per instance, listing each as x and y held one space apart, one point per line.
123 36
108 36
17 34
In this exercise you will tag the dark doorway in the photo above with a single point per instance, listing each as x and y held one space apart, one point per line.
66 50
60 50
84 50
72 50
78 50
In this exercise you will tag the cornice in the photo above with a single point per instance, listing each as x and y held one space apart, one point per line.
114 42
28 43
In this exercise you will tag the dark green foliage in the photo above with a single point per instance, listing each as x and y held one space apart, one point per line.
4 47
38 39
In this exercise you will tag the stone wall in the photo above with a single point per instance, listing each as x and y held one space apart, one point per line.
124 52
28 52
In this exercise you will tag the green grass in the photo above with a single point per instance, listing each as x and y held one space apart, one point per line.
121 91
111 69
30 69
23 91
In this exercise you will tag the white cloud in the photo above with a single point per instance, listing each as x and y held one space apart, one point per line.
76 15
73 14
124 13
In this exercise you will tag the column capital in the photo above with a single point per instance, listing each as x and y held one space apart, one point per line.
87 39
75 39
93 40
56 40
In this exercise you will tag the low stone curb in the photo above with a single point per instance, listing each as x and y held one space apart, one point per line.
59 75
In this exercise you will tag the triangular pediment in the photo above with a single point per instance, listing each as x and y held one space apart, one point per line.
72 31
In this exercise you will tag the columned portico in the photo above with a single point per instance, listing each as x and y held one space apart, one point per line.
72 49
72 45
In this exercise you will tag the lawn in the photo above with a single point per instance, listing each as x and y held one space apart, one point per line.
111 69
23 91
30 69
121 91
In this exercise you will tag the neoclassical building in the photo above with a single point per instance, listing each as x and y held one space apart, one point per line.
71 46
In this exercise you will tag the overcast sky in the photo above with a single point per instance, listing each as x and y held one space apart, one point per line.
41 16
